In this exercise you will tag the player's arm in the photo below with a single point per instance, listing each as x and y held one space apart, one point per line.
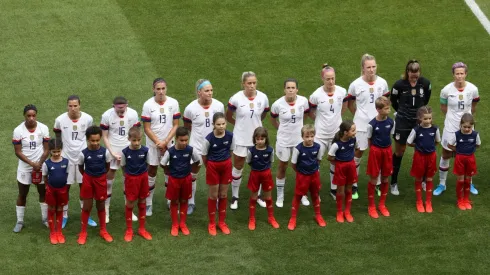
21 156
187 118
275 120
57 129
229 113
394 97
369 133
196 165
428 92
188 125
312 104
171 134
105 137
266 110
123 162
44 170
473 107
345 106
45 152
149 132
351 105
108 157
332 152
164 162
478 140
294 159
248 159
443 100
411 138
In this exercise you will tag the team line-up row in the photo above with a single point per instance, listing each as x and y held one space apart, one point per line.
205 119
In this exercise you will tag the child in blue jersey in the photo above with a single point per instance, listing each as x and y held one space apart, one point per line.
424 137
464 143
306 161
260 158
134 162
177 164
380 160
341 154
55 173
216 157
93 163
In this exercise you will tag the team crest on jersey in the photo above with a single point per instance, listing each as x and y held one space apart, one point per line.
461 97
330 100
31 137
414 92
206 114
421 91
371 89
293 111
121 122
162 110
75 127
397 136
379 90
251 105
259 104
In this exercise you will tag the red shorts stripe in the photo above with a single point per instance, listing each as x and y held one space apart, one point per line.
305 183
465 165
94 187
179 188
345 173
260 177
56 196
380 160
423 165
218 172
136 186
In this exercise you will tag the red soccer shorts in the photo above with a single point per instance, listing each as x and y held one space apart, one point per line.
305 183
380 160
345 173
136 186
56 196
218 172
464 165
423 165
179 188
260 177
94 187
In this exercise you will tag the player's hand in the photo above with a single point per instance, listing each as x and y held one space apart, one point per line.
162 145
36 166
116 156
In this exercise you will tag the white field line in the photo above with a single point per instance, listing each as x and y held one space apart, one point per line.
479 14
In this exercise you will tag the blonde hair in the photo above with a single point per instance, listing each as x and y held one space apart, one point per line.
246 75
365 57
199 82
307 128
382 102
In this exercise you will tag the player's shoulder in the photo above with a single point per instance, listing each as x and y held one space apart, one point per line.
108 113
20 128
62 117
172 100
358 81
149 102
237 96
448 87
381 81
400 83
228 133
43 127
216 103
301 100
470 86
279 101
424 81
341 90
86 117
131 112
319 91
261 95
191 106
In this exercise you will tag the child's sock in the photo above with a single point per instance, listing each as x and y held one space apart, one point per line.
142 214
128 214
270 209
212 210
371 191
183 211
418 191
51 220
251 207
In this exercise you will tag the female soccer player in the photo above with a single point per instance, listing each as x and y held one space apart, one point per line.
260 158
327 104
457 98
424 138
198 117
362 94
407 96
160 118
464 142
216 156
30 141
287 115
250 107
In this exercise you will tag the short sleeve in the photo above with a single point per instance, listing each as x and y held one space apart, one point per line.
205 147
266 104
476 95
233 145
275 110
165 159
313 101
196 157
444 96
478 141
221 107
90 121
233 103
306 106
392 132
44 169
411 137
351 93
370 130
321 152
104 121
187 117
123 160
17 137
57 125
386 89
108 156
272 156
438 136
294 157
333 149
176 114
45 132
249 157
81 159
146 113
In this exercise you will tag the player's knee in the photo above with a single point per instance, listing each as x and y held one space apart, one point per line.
236 173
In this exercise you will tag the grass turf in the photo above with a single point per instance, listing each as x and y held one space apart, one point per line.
100 49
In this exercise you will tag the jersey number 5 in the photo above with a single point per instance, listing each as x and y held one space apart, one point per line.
293 118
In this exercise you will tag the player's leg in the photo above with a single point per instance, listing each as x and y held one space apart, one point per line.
128 216
72 178
348 203
386 165
340 201
41 190
444 162
239 155
362 141
223 193
213 189
152 176
23 185
267 186
315 198
185 194
283 154
252 204
61 200
110 180
301 187
173 194
100 205
402 131
142 191
192 201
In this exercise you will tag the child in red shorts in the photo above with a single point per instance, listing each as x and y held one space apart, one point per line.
216 156
93 163
260 158
177 164
424 138
380 160
306 161
341 154
134 162
464 143
55 173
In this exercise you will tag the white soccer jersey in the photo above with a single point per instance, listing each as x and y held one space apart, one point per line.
73 134
118 127
290 120
248 115
365 95
328 111
202 121
32 143
161 117
458 103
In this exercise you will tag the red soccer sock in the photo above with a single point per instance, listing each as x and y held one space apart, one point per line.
142 214
270 209
128 215
183 212
212 210
222 209
294 208
459 190
51 220
101 214
340 200
371 190
466 192
174 213
418 191
348 201
251 207
85 216
315 198
429 186
59 220
384 193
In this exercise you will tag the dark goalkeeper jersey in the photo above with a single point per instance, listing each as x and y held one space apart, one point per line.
406 100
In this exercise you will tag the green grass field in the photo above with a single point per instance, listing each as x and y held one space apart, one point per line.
101 49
